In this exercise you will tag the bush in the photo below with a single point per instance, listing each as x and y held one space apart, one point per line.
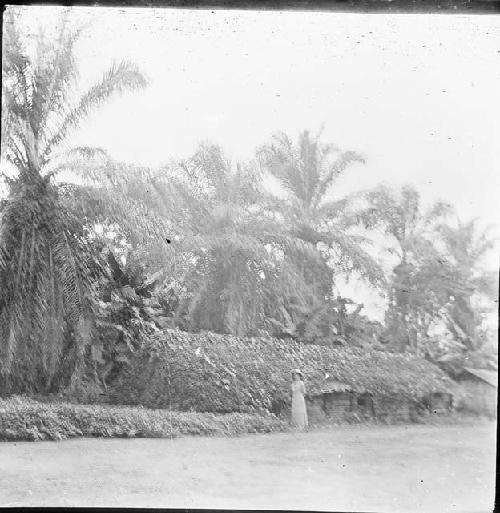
23 418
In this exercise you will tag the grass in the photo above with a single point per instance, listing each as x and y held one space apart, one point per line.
22 418
456 417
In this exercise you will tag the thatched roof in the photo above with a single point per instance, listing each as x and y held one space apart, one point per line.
223 372
331 385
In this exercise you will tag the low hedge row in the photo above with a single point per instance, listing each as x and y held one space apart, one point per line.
22 418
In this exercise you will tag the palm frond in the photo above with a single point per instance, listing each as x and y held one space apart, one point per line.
342 210
333 172
48 266
351 256
119 78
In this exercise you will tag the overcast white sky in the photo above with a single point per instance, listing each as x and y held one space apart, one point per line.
417 95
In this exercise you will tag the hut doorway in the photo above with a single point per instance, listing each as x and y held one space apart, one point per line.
365 405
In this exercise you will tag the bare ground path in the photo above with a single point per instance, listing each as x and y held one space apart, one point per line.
393 468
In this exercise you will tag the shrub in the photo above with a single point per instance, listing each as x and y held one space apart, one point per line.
23 418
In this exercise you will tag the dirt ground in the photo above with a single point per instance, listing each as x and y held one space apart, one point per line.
393 468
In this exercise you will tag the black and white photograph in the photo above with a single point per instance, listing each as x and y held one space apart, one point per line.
249 258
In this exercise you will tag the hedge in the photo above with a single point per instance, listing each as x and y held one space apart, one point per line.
23 418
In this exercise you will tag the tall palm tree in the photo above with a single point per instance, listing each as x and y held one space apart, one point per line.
47 266
466 246
415 291
308 171
228 247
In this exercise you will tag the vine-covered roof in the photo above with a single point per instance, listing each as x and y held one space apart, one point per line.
207 371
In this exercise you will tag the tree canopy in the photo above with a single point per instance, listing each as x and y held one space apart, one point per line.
91 269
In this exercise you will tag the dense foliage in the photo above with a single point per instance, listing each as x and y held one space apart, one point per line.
94 271
308 171
27 419
437 275
48 268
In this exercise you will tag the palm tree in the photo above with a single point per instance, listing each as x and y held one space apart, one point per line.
466 245
47 266
415 291
308 170
198 227
227 250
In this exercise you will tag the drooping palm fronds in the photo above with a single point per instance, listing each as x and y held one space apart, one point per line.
120 77
111 192
417 288
308 170
233 244
200 222
46 283
466 245
228 236
401 216
39 91
48 267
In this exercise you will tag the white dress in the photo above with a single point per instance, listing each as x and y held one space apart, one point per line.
299 411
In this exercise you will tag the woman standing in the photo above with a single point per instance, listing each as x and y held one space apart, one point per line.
299 412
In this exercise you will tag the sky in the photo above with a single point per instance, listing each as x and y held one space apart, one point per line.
416 95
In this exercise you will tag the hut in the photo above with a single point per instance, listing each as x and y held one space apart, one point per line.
223 373
480 391
378 385
338 401
335 400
